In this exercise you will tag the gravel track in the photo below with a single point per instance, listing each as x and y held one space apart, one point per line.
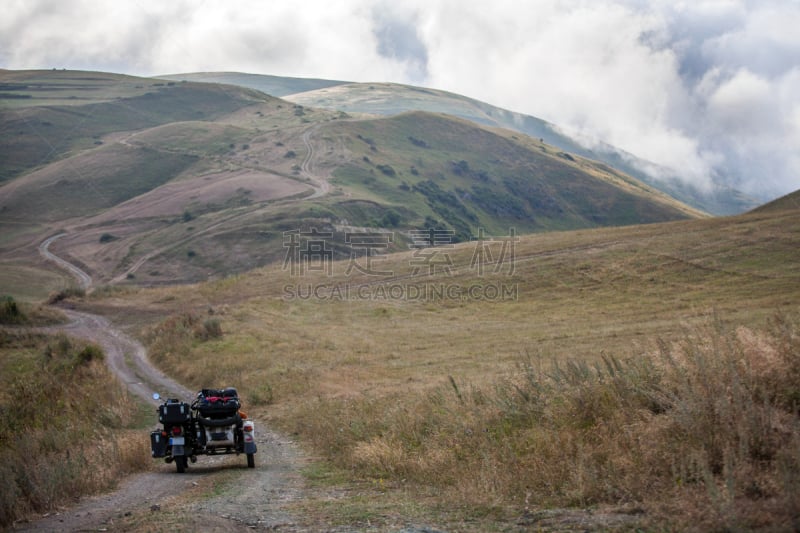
241 499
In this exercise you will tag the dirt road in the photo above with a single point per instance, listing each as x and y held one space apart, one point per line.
84 280
216 493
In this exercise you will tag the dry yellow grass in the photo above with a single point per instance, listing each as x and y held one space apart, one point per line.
389 387
64 429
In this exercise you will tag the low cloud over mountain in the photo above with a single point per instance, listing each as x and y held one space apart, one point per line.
707 90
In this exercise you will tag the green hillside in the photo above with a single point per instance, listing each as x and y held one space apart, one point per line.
391 99
47 114
88 183
173 180
394 98
470 177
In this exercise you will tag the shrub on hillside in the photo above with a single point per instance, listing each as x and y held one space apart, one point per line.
387 170
63 294
10 312
177 333
212 329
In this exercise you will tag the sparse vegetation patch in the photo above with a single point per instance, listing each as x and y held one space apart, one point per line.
178 333
66 293
10 312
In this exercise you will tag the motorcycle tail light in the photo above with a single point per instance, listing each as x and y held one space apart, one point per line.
248 427
176 430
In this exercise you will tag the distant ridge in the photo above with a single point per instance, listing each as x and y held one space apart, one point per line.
272 85
391 98
790 201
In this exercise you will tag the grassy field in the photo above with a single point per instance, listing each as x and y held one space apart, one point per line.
29 284
587 371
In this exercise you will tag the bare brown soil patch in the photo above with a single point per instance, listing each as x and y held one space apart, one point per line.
217 188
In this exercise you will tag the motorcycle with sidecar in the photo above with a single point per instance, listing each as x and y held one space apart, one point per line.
212 424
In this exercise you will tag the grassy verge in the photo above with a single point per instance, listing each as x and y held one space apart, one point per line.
64 424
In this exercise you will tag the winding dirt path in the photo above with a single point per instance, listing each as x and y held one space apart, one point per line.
235 499
319 184
84 279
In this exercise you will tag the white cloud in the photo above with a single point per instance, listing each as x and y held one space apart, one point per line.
743 106
586 68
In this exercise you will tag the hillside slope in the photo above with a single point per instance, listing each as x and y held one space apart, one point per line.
48 114
178 181
279 86
393 98
789 201
471 177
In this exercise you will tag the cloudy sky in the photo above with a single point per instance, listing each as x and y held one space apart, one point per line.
709 88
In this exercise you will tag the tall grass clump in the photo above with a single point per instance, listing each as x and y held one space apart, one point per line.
173 342
703 433
64 424
177 334
10 312
13 313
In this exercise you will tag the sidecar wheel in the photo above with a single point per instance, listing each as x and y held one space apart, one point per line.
251 460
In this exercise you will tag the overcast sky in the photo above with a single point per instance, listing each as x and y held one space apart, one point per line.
706 87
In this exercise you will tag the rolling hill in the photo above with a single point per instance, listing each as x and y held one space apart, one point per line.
48 114
391 99
158 181
279 86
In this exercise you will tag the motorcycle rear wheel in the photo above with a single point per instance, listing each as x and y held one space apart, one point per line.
181 463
